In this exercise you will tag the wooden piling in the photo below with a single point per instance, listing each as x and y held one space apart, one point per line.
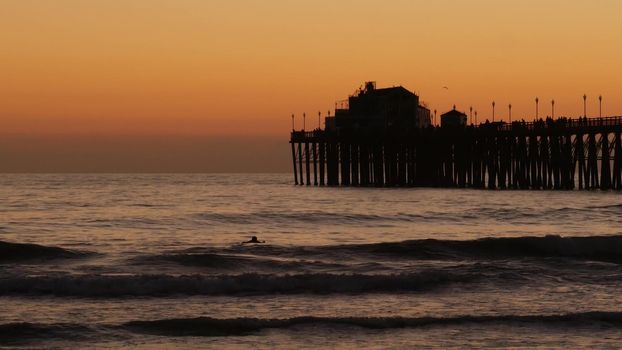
617 162
294 161
605 173
300 163
314 148
307 164
322 150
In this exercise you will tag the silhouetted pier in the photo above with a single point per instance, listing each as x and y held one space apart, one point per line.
584 153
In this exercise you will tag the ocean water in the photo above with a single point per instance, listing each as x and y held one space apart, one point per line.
155 261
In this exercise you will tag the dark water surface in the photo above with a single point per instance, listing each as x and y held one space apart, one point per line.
154 261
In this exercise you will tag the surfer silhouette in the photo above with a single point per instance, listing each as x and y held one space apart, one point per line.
253 240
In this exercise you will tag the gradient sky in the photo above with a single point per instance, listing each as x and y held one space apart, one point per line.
209 85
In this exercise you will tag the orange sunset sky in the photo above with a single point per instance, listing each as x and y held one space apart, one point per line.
210 85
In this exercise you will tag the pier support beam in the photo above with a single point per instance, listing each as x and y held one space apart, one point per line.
294 161
300 163
592 162
307 163
322 146
605 165
579 152
314 147
617 163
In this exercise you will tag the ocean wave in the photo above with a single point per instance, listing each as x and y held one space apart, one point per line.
306 217
20 252
106 286
596 248
207 326
479 214
23 332
237 262
20 333
609 206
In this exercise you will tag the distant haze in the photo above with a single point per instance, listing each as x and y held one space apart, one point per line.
195 85
140 154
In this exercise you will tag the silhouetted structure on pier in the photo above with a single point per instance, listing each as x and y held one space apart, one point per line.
553 154
369 107
453 118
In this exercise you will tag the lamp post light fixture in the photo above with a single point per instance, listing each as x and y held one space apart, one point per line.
510 108
553 109
493 111
584 106
537 100
600 106
471 114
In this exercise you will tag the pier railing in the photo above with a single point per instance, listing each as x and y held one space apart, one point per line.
561 122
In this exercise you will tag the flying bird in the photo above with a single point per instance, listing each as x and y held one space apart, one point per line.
445 87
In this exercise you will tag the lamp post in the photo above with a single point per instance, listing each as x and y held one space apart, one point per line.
510 108
293 122
319 117
493 111
475 117
537 100
553 109
600 106
304 121
435 117
584 106
471 114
